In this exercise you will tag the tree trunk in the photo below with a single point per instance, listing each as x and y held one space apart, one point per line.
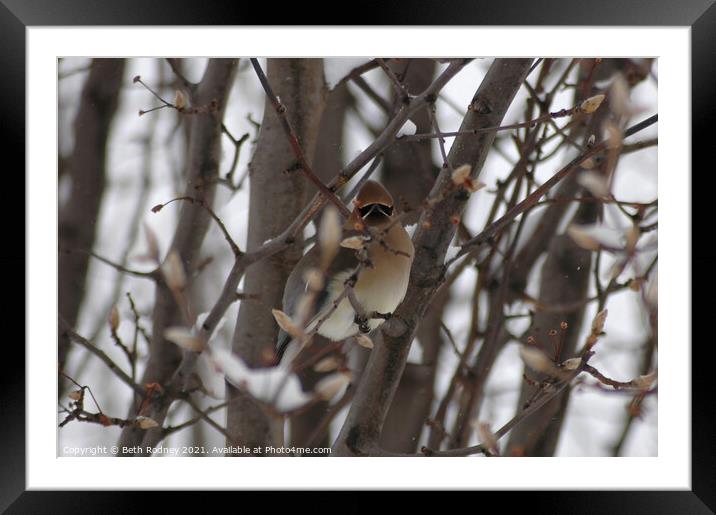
408 168
565 277
328 160
276 199
409 172
361 431
210 96
87 169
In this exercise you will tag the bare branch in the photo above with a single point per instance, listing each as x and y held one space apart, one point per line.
102 356
362 428
532 199
295 145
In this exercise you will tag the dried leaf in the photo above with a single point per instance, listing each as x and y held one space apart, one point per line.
537 360
588 163
582 237
329 235
636 284
180 100
571 363
488 439
595 183
327 364
152 243
461 173
591 104
619 96
76 394
184 338
173 271
473 186
114 318
593 237
615 135
329 386
632 236
146 422
644 382
287 324
353 242
364 341
598 322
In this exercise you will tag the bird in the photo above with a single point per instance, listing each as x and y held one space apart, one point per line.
380 284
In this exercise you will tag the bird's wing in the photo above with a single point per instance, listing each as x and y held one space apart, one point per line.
345 260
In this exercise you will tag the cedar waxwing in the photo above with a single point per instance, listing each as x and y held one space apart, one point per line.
381 283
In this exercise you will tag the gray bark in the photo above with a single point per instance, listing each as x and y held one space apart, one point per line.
409 172
327 161
361 431
565 279
550 218
564 275
276 200
87 170
408 168
202 173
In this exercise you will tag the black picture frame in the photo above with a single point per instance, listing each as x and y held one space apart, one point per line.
699 15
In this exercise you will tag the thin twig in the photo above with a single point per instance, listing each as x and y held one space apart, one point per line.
147 275
534 197
229 176
293 140
529 123
102 356
397 85
234 247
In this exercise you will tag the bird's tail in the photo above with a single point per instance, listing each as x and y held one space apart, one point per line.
283 340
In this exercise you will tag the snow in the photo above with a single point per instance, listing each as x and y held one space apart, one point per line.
277 386
336 68
407 129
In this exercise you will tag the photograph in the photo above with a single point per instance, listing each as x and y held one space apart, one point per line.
357 256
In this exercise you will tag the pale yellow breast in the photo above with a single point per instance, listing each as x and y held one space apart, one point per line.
379 288
382 287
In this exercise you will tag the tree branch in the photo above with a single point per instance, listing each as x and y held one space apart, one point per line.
363 425
165 358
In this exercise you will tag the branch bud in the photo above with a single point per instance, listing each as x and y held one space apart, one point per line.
591 104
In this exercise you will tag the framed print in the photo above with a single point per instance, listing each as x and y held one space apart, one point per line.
271 248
